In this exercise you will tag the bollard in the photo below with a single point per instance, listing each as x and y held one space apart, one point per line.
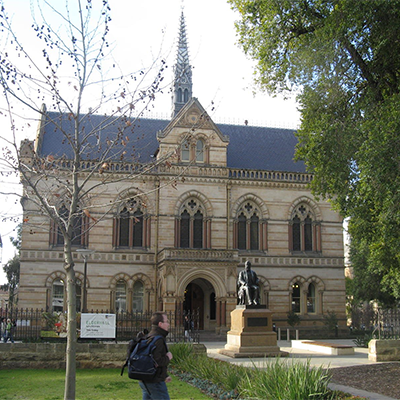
288 335
297 334
279 333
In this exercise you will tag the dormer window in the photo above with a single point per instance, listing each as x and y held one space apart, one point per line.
194 150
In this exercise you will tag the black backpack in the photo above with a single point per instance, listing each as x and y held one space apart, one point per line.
140 361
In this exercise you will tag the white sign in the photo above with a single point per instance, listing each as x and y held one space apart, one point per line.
98 326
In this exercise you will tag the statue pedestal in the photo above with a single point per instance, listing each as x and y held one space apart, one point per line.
251 334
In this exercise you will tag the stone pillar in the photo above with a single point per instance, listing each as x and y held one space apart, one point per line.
251 334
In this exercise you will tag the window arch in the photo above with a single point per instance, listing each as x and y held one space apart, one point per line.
186 96
304 231
250 230
192 227
195 150
138 297
131 226
306 295
79 222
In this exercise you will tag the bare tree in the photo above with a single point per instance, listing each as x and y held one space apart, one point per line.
67 69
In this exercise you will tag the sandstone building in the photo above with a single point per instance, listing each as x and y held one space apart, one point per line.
236 195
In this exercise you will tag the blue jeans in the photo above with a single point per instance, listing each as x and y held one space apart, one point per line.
154 391
8 335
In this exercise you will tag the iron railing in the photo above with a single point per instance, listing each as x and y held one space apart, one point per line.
37 324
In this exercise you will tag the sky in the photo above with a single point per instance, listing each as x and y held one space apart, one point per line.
142 31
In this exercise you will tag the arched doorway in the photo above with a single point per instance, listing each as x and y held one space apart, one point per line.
200 296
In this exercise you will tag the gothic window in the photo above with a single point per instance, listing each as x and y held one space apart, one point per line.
311 298
191 226
304 232
120 296
249 230
179 96
198 230
199 151
79 232
185 151
296 298
137 297
57 301
186 96
242 232
131 226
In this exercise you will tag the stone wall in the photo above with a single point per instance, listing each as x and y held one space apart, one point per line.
52 355
384 350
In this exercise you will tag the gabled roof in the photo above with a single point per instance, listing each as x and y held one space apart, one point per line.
249 147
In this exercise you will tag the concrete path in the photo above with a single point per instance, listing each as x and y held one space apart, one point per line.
360 357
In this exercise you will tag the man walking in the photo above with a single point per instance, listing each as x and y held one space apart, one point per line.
156 388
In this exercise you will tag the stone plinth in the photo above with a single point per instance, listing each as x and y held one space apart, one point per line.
251 334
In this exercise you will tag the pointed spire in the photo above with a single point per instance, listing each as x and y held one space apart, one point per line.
182 85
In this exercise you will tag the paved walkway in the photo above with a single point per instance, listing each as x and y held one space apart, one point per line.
360 357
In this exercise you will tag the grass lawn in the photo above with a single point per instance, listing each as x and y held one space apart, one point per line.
104 384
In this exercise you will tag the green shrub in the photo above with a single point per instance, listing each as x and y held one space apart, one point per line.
281 380
293 319
362 341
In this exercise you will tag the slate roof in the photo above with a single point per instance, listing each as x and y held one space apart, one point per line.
249 147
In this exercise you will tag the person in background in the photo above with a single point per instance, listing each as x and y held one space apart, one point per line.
9 331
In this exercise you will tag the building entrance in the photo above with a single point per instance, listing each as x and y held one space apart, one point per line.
200 296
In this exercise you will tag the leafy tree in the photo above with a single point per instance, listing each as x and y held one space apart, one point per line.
12 268
342 58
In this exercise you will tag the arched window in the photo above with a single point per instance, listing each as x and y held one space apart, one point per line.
186 96
304 232
179 95
296 298
254 232
130 226
311 298
57 301
185 151
190 228
242 228
198 230
249 232
137 297
199 151
79 224
124 222
120 296
185 229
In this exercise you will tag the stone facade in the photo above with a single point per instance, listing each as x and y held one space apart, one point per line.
176 237
166 271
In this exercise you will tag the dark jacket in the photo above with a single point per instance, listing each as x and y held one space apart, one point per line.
160 354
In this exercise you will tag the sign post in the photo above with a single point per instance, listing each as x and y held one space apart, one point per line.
98 326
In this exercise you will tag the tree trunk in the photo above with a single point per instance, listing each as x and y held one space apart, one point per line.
70 372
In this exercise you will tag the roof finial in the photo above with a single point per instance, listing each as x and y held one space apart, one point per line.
182 85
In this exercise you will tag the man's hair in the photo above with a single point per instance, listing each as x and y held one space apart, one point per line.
157 317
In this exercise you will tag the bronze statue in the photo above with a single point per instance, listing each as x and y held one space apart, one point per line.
248 286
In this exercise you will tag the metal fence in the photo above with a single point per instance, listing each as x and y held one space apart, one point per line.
388 323
37 325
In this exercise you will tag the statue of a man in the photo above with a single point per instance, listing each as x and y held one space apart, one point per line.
248 286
